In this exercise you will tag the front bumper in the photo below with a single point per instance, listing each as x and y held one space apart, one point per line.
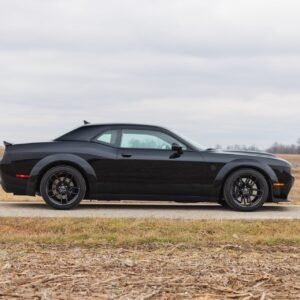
280 194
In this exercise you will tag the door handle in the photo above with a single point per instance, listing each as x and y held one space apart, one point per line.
126 155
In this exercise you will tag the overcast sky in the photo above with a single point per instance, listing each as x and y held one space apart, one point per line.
223 72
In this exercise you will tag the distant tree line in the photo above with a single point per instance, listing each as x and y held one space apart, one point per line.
275 148
239 148
285 149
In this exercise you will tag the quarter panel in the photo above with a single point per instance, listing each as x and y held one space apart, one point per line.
34 159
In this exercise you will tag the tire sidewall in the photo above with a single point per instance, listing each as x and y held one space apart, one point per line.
228 187
79 178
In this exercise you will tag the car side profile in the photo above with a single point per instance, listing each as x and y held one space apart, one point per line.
141 162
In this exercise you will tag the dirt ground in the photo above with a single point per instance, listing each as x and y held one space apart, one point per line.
227 271
148 259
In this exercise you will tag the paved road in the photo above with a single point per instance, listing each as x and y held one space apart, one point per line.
145 210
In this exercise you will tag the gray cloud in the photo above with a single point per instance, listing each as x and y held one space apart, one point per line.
220 71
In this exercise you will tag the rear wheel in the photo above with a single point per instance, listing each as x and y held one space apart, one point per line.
246 190
63 187
223 203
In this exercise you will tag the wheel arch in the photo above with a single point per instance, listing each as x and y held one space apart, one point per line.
51 161
230 168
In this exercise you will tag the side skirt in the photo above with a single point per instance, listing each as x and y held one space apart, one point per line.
152 198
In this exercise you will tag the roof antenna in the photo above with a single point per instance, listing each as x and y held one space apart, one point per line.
86 122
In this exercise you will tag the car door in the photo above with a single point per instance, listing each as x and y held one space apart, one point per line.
147 165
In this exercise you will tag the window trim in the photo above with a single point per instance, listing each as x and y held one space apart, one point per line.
188 149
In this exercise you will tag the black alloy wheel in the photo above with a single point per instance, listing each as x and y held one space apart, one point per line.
246 190
63 187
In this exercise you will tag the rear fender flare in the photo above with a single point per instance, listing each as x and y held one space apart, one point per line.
70 159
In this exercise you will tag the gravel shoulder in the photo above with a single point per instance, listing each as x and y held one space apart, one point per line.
201 211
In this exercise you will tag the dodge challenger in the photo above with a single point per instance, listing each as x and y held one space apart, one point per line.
141 162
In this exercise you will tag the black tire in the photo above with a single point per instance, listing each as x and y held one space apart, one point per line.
223 203
63 187
246 190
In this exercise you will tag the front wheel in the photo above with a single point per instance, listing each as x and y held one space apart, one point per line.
246 190
63 187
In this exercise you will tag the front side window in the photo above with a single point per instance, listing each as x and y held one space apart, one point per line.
147 139
108 137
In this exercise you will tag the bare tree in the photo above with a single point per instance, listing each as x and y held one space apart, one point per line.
284 149
275 148
242 148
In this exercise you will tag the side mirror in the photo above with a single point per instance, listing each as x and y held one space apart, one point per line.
177 148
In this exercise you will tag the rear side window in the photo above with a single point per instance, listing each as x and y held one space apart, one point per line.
108 137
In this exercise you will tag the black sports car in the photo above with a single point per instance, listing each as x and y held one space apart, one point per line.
129 161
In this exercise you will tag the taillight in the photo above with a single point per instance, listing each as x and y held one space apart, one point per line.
23 176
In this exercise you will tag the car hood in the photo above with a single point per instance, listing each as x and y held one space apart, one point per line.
251 153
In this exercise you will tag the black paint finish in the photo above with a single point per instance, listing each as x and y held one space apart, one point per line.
112 172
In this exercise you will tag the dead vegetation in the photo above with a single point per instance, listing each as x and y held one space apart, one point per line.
229 271
148 259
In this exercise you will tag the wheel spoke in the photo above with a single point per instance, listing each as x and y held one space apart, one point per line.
74 190
62 188
240 182
246 190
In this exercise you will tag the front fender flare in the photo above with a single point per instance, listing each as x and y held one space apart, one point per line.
56 159
242 163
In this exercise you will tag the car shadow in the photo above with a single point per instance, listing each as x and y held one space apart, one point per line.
141 206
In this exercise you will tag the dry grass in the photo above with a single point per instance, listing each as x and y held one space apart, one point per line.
133 233
294 195
148 259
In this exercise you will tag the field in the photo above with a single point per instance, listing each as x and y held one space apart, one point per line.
148 259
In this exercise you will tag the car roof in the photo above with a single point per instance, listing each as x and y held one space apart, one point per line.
120 125
88 131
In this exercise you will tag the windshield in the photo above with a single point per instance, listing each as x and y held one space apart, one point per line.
194 143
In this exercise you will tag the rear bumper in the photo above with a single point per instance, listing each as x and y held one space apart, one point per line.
12 184
9 182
